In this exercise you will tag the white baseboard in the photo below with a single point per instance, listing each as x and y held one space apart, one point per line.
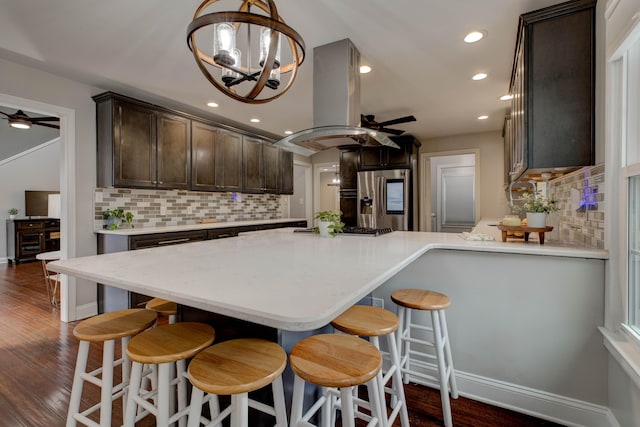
537 403
4 260
86 310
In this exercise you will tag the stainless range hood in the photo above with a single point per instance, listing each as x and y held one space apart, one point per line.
336 104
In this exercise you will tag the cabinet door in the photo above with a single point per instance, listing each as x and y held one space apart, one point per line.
349 168
285 177
397 157
203 156
174 151
271 168
229 161
134 139
165 239
370 158
252 174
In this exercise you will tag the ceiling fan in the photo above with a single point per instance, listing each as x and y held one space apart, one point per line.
368 121
20 120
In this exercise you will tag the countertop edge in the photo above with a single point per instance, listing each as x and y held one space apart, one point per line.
191 227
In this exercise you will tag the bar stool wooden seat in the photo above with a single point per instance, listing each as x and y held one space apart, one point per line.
235 368
375 322
104 328
164 308
437 349
337 363
164 346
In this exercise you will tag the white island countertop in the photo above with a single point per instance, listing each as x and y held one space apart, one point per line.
278 278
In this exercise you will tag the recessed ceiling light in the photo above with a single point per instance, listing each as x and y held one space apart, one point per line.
483 117
288 132
254 120
506 97
474 36
212 104
479 76
364 69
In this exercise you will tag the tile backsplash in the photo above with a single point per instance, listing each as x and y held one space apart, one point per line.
580 197
157 208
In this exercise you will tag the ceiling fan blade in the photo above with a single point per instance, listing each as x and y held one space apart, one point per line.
8 115
43 119
391 131
398 121
47 125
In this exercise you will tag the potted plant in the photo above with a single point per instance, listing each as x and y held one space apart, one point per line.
537 207
329 223
115 217
13 212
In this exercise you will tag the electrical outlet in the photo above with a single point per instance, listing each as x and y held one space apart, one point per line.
377 302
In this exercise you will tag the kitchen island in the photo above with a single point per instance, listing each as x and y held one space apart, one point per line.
523 321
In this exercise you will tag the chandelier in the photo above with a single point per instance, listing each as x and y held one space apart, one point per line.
245 61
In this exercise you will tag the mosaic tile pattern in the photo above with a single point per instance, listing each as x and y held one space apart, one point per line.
158 208
580 197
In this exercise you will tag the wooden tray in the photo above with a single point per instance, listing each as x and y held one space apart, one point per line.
525 230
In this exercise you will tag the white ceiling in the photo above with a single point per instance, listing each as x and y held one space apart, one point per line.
420 64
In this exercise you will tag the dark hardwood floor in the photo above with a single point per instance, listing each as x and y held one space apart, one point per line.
37 358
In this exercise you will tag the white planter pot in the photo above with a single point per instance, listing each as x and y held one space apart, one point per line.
323 226
536 219
12 216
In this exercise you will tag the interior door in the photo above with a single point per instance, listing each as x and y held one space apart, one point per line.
456 199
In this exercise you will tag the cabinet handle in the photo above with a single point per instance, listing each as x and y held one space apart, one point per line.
160 182
222 236
168 242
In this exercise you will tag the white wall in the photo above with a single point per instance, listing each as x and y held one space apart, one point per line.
523 329
37 170
30 83
493 203
329 198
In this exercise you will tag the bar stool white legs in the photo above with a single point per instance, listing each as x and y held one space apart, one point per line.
434 302
105 328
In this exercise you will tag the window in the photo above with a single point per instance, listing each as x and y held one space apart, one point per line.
628 95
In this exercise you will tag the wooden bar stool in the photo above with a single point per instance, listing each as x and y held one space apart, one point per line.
375 322
436 303
236 368
104 328
164 346
164 308
337 363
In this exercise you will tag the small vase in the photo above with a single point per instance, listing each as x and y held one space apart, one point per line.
323 227
12 216
536 219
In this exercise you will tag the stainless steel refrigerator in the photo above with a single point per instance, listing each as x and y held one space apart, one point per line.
384 199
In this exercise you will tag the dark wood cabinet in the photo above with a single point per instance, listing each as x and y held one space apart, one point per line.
141 145
26 238
349 166
133 144
270 167
553 83
374 158
229 161
285 172
252 181
173 151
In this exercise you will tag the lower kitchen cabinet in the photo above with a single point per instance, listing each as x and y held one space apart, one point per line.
111 299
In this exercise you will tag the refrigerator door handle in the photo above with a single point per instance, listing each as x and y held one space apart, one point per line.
381 202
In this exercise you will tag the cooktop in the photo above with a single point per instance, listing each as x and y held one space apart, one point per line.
350 230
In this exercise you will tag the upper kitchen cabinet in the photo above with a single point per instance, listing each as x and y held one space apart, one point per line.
253 173
553 88
285 175
173 151
139 146
216 159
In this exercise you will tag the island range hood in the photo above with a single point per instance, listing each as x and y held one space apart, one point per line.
336 104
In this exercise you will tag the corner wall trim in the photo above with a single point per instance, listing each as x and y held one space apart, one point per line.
86 310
